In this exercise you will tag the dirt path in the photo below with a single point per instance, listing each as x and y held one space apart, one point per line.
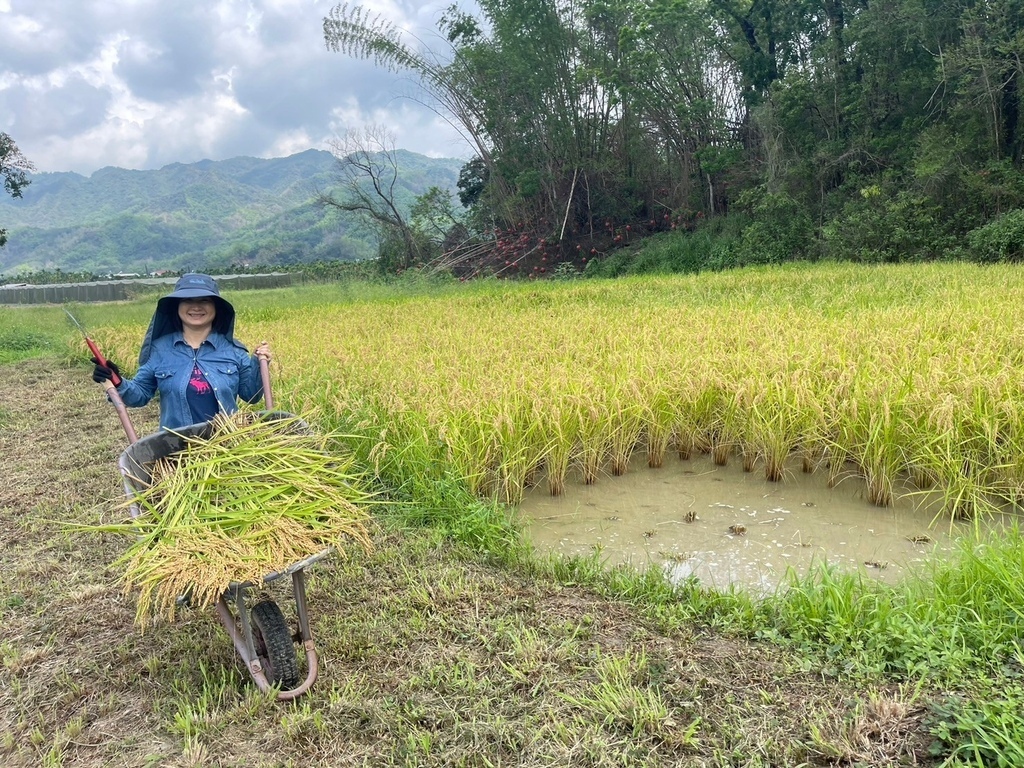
430 657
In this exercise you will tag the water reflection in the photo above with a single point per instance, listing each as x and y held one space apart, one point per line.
725 526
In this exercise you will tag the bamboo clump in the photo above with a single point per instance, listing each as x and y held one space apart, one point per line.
251 499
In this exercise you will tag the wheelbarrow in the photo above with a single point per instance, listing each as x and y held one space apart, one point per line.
261 634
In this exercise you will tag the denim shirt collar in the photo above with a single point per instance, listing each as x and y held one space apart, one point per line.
216 340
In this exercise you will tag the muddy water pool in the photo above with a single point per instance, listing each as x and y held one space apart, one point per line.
726 526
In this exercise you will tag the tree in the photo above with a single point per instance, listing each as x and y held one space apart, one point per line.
368 169
889 127
13 167
357 32
684 89
521 84
434 214
989 69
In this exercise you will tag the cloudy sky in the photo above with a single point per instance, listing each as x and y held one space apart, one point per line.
143 83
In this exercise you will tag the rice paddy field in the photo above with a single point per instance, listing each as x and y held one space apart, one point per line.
903 371
459 398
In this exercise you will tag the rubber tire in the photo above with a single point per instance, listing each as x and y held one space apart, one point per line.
274 646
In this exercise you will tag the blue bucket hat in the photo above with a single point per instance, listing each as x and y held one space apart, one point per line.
165 318
194 286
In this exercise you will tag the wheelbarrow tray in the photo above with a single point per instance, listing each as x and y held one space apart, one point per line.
137 460
272 638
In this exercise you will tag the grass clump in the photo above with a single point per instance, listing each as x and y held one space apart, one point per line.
250 499
945 624
23 336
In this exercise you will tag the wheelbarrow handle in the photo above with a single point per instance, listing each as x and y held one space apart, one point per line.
268 395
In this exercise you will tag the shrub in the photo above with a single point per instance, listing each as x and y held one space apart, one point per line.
781 229
882 226
1002 239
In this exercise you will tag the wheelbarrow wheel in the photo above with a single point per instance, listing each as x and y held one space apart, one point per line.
274 645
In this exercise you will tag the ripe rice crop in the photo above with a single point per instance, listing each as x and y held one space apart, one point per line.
891 372
252 498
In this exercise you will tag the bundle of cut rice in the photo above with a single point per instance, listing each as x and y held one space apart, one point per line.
251 499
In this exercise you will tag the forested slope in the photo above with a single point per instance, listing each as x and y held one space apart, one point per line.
873 131
203 215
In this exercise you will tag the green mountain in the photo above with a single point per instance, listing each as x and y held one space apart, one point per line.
204 215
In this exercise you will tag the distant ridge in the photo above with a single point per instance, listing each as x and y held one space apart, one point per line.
209 214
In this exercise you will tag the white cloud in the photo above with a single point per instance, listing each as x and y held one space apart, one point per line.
142 84
19 26
292 142
413 127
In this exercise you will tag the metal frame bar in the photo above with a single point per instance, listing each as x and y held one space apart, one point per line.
239 628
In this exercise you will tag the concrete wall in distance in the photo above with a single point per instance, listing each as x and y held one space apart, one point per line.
122 290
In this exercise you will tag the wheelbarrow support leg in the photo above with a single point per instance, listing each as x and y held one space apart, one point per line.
244 644
312 663
242 639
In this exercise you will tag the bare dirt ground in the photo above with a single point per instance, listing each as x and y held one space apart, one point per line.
430 656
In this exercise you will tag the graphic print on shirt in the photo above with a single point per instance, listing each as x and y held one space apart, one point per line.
198 382
199 394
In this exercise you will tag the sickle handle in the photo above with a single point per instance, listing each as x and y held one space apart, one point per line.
114 378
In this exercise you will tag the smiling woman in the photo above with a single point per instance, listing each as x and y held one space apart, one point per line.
191 358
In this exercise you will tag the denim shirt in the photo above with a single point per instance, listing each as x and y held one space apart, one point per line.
229 368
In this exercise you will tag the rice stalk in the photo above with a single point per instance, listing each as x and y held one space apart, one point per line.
252 498
560 435
659 425
626 429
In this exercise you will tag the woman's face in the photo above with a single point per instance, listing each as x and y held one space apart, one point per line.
197 314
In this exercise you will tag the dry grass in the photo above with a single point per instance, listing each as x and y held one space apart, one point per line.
430 656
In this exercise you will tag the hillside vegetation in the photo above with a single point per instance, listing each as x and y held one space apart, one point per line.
204 215
865 131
